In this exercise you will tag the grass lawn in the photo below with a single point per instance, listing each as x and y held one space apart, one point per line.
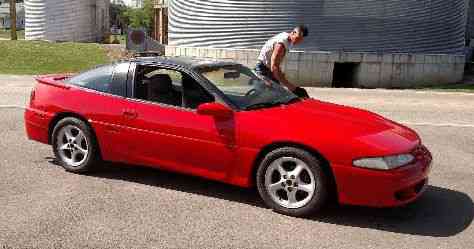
5 33
40 57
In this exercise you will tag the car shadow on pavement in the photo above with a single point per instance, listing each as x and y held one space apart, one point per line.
440 212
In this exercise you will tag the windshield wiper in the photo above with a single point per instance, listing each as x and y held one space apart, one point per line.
271 104
262 105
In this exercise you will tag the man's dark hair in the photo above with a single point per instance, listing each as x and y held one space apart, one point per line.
303 29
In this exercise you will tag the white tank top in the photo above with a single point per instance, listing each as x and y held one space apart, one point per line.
267 49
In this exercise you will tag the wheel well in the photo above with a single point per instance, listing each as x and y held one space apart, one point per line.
58 118
325 163
63 115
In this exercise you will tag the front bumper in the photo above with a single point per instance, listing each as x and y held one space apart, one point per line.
377 188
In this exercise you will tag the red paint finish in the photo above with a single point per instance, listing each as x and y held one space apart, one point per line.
380 188
225 147
181 140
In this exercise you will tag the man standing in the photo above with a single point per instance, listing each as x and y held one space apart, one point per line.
274 51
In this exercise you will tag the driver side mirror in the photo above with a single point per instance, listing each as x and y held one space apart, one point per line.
214 109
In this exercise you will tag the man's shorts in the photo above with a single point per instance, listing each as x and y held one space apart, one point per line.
263 70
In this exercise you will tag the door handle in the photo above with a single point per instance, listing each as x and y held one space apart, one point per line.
131 114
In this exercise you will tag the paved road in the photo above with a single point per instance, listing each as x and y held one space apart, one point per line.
41 206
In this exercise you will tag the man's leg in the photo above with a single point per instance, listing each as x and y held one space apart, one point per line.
263 70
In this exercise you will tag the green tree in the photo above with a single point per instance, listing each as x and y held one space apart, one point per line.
117 16
140 17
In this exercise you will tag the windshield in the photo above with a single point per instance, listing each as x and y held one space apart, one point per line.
246 89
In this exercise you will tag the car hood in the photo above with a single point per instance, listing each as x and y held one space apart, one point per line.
359 121
361 133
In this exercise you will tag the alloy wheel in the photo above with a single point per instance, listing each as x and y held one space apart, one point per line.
72 145
290 182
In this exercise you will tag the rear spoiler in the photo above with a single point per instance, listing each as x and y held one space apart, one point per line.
56 80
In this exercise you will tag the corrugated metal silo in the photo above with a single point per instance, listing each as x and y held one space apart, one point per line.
66 20
388 26
35 19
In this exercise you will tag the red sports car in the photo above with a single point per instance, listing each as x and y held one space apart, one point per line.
221 121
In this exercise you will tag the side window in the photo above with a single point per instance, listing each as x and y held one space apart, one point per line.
176 77
171 87
159 85
108 79
194 94
98 79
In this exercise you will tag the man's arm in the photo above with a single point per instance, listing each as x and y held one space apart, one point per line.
277 57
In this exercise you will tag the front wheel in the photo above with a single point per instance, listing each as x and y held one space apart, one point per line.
292 182
74 145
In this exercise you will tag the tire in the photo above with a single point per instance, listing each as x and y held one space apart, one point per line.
285 190
75 145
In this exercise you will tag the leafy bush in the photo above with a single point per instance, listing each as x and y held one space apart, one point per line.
140 17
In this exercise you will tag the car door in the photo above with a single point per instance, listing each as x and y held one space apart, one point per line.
174 136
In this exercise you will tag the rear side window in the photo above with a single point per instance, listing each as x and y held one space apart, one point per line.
99 79
119 79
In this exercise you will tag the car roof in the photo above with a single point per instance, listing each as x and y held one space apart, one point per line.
187 62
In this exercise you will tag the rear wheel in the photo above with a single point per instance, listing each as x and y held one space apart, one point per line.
74 145
292 182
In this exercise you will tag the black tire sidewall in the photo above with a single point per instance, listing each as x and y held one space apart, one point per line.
92 154
320 195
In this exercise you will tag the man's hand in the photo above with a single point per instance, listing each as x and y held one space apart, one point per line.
266 81
291 87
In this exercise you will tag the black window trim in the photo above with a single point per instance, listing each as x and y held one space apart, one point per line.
128 76
94 91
